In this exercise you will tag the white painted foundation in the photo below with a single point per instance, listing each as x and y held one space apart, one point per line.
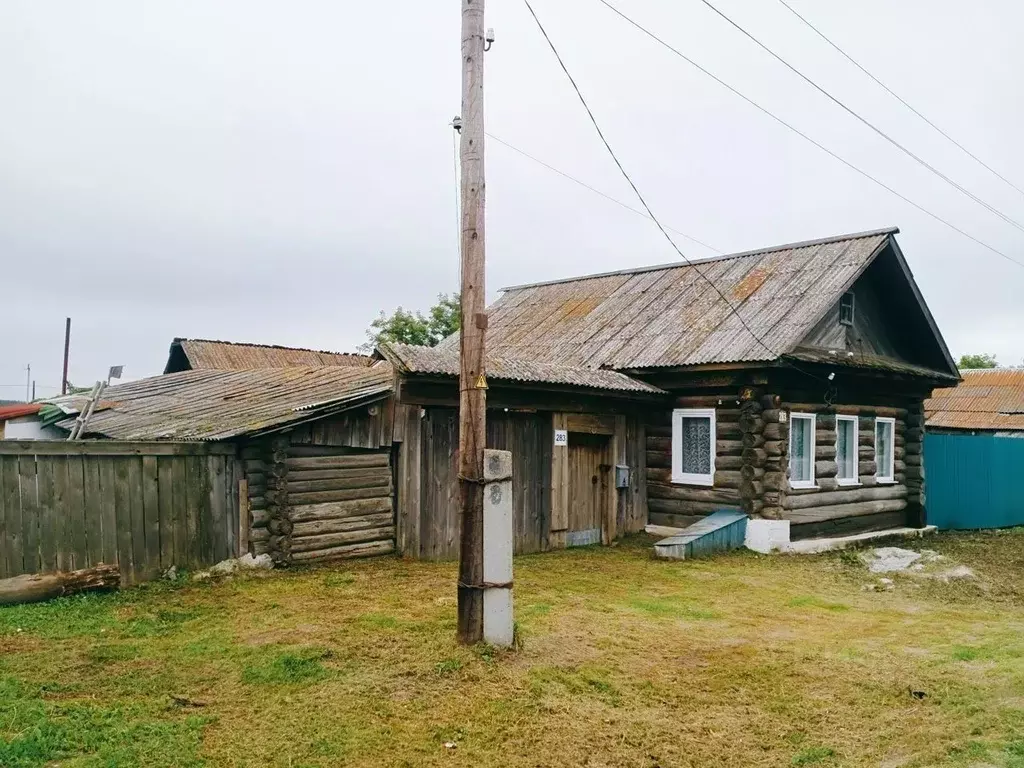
767 535
773 536
813 546
498 542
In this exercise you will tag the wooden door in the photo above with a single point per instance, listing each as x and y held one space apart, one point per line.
588 488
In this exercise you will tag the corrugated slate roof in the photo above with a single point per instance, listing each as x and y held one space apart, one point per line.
445 362
670 316
217 405
207 354
986 399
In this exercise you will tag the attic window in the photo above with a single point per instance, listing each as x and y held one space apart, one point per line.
846 309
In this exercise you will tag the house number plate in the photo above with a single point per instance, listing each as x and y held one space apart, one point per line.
561 437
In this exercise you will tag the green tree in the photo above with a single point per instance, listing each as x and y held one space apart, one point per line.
405 327
978 361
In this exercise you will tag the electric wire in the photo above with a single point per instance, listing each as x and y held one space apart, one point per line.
899 98
959 187
808 138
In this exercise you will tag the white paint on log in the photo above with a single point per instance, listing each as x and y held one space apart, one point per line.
498 541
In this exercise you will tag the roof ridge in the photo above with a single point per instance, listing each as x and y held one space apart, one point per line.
178 340
711 260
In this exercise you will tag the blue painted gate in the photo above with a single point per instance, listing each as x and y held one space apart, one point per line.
974 481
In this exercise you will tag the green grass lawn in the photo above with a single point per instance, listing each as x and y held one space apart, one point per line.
742 660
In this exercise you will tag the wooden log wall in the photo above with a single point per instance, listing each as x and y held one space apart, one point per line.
254 467
775 461
339 506
834 509
279 526
319 503
682 505
752 464
300 484
141 506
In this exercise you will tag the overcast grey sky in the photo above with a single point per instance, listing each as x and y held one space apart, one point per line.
279 172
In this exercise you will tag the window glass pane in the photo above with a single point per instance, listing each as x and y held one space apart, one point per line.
801 452
846 450
696 445
883 447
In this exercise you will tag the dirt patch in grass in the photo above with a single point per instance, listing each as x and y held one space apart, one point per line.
742 660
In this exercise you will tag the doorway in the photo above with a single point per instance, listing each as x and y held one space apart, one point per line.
589 476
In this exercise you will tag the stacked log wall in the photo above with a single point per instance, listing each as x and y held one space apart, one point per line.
323 490
676 505
340 506
254 470
832 508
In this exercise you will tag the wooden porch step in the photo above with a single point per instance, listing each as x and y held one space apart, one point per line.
718 532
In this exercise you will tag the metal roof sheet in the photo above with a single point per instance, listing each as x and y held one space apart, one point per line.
217 405
670 316
17 410
986 399
229 355
445 362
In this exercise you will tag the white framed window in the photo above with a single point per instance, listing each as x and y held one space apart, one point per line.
885 439
801 450
847 441
693 446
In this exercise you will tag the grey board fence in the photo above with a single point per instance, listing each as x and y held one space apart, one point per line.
144 506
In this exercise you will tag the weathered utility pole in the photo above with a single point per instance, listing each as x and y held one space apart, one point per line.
472 374
67 352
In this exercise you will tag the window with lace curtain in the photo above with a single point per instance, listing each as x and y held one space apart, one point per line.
693 446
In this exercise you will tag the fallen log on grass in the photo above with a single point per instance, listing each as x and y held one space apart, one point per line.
36 587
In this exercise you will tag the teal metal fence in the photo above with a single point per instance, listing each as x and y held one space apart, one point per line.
974 481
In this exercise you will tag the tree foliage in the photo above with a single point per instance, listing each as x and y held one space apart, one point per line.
984 360
405 327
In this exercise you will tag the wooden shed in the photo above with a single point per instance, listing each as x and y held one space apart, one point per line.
576 437
313 448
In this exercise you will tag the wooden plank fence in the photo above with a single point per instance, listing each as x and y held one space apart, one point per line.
144 506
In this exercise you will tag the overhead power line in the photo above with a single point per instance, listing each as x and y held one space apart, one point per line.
963 190
641 198
806 137
596 191
900 99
